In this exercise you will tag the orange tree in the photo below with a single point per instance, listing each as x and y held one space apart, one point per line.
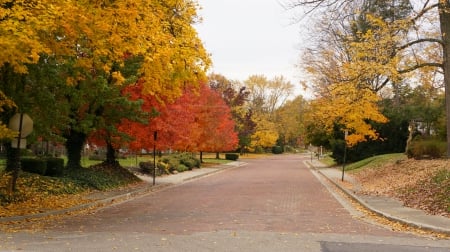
199 120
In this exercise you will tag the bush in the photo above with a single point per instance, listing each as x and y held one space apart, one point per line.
426 149
259 150
146 167
34 165
290 149
179 162
189 161
277 149
231 156
55 167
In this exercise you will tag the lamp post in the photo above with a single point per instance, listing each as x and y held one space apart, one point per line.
155 136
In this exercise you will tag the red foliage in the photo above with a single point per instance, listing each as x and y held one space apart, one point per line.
199 120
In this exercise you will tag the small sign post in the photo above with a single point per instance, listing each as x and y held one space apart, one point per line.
345 153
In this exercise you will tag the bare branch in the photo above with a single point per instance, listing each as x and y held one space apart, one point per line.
418 41
415 67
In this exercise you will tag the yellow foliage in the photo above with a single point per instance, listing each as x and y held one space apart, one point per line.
6 104
351 107
266 133
100 34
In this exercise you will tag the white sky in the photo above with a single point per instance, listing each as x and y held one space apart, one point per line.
247 37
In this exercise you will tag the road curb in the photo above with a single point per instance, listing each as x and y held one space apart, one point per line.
97 203
148 188
381 213
422 226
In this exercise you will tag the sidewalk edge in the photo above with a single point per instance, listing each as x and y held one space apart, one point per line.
379 212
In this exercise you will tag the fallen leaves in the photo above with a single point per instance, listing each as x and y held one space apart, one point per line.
411 181
36 194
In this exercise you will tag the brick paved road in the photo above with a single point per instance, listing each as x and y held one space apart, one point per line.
275 194
272 204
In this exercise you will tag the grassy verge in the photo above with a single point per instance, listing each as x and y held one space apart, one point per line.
421 184
376 161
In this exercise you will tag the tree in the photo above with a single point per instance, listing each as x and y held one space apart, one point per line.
291 122
439 9
217 129
22 24
267 95
6 105
265 135
98 39
236 97
199 120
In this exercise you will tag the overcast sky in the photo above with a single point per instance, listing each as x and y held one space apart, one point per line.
247 37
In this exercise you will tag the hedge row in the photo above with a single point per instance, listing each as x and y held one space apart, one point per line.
426 149
43 166
231 156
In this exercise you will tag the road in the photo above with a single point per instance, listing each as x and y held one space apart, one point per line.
271 204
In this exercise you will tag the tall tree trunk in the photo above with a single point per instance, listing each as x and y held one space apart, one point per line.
444 16
13 164
217 155
74 146
110 154
201 157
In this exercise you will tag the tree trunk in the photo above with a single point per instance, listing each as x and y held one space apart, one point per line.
444 16
110 154
201 157
217 155
13 164
74 146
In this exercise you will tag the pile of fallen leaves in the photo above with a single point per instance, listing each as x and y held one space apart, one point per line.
35 194
421 184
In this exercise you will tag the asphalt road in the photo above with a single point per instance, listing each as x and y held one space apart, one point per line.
271 204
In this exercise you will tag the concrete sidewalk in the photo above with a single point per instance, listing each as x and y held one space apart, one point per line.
102 198
384 206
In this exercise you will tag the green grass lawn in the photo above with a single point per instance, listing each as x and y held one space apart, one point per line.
375 161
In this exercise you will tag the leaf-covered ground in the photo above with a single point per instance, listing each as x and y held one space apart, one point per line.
35 194
421 184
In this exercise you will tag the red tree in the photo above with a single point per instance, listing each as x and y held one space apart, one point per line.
199 120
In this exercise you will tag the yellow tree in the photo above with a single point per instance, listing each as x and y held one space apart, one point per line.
351 107
290 121
6 105
21 25
91 41
346 82
265 134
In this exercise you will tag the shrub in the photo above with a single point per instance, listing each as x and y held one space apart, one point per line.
426 149
173 162
231 156
163 167
277 149
290 149
181 168
146 167
34 165
259 150
55 166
